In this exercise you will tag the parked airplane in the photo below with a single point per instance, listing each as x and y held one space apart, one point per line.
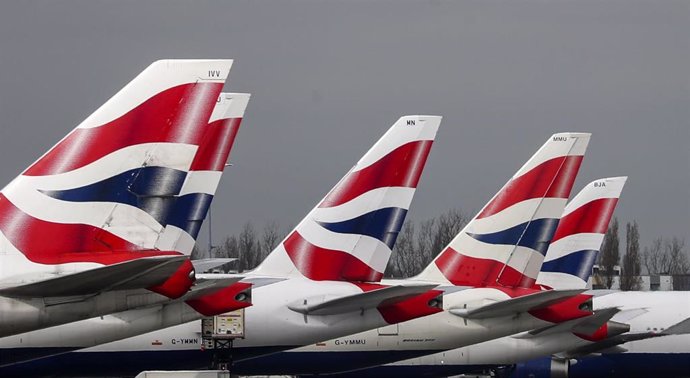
319 282
658 343
641 334
487 273
182 216
540 190
313 285
75 234
568 264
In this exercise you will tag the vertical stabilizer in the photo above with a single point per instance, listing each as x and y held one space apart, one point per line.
577 241
505 243
192 205
85 200
350 233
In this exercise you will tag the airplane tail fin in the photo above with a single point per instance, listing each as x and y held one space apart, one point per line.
350 233
508 238
191 206
85 199
576 243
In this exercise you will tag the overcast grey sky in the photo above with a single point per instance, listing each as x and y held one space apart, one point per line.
329 77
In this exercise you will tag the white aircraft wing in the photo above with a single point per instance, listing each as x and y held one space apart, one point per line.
134 274
208 285
524 303
586 325
360 301
204 265
613 344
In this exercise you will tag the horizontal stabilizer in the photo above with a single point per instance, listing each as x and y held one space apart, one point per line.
134 274
586 325
524 303
681 328
625 316
613 350
590 324
204 265
612 344
254 281
206 286
360 301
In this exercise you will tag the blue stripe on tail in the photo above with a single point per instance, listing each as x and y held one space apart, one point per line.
383 224
577 263
189 212
536 235
151 189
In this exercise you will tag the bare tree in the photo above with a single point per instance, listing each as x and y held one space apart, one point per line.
678 259
248 248
610 255
630 271
425 243
415 250
447 227
403 262
654 257
269 239
666 256
227 248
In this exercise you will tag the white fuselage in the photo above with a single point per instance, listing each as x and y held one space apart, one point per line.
95 331
20 315
24 315
643 311
269 324
422 336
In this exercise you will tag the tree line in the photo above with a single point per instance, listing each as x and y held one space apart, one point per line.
419 242
664 256
249 247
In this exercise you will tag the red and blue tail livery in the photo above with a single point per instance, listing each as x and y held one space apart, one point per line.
178 200
349 235
505 243
576 244
190 207
80 228
180 215
98 197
